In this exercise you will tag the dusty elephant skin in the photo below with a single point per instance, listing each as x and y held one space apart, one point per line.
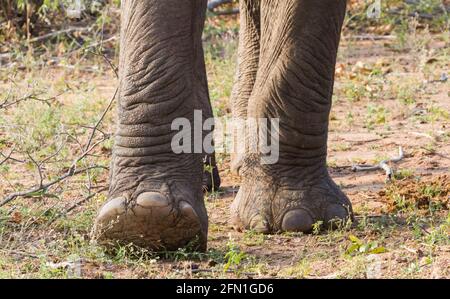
287 56
156 197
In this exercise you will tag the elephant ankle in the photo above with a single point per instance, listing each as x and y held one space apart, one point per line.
284 173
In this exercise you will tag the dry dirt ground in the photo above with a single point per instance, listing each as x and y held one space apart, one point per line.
386 97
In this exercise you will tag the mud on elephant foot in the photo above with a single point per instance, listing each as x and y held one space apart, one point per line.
168 217
268 204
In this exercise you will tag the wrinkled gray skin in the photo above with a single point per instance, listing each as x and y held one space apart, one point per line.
287 55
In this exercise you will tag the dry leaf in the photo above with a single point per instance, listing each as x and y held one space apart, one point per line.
16 217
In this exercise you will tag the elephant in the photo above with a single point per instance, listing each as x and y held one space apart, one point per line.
286 64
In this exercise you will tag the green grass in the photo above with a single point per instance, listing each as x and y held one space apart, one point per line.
376 115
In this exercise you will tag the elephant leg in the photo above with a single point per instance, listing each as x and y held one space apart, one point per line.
248 60
155 196
298 49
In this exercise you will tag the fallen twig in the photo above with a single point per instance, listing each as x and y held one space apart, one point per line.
383 165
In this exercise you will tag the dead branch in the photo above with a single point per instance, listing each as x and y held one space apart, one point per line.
87 198
44 187
6 157
34 96
77 204
10 158
383 165
111 65
56 33
101 119
38 167
72 170
41 187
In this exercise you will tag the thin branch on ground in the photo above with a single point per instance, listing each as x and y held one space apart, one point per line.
44 187
38 167
34 96
72 170
77 204
104 134
59 32
383 165
6 157
56 153
111 65
109 104
100 120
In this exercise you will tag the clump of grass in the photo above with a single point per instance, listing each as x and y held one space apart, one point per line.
404 90
252 238
233 257
359 247
412 194
376 115
403 174
354 91
300 270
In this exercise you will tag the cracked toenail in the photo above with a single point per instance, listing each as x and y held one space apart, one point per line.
297 221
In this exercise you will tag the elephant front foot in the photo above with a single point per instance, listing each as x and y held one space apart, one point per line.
165 219
268 204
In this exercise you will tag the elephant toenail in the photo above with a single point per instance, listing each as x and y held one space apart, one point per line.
152 204
297 221
152 199
112 209
335 214
187 210
259 224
